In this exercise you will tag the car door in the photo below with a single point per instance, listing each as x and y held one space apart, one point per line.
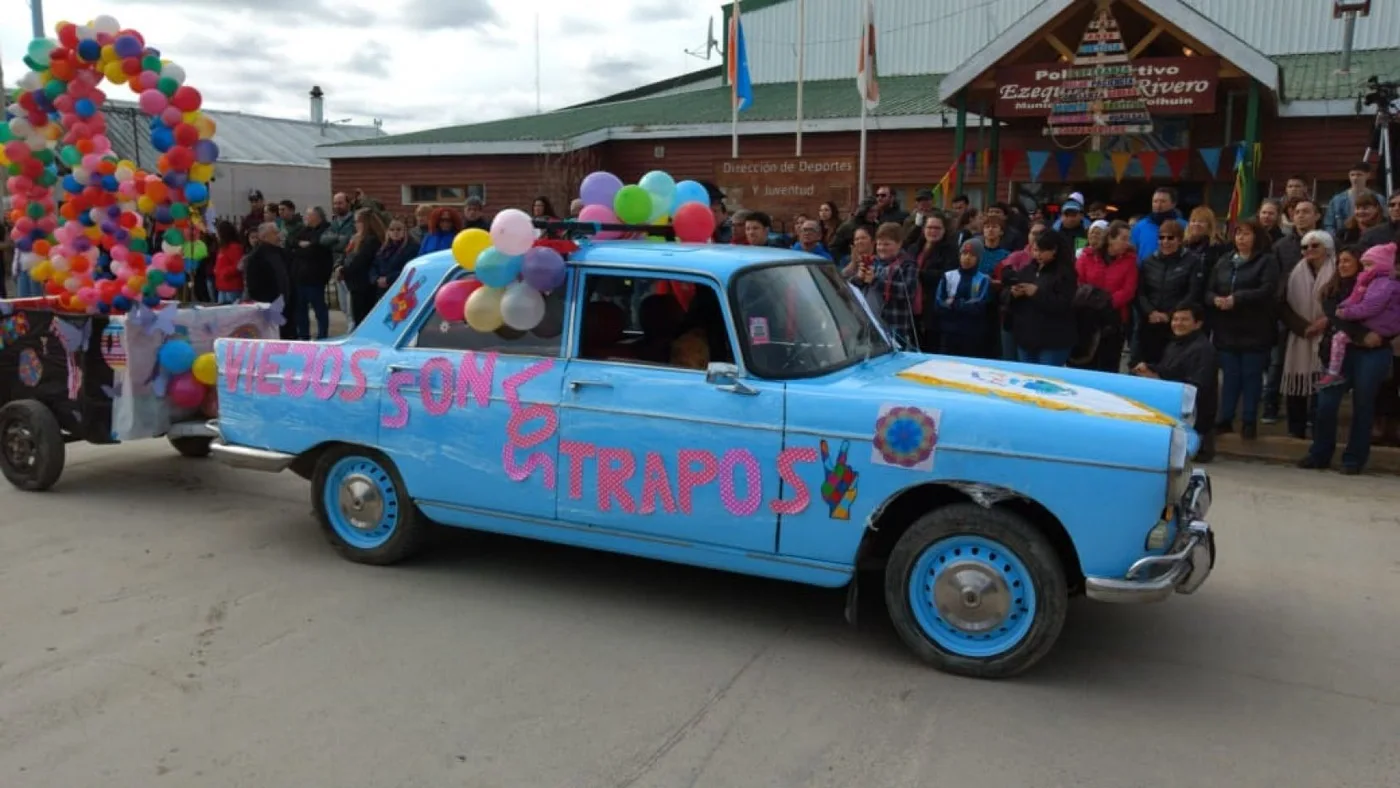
658 450
471 418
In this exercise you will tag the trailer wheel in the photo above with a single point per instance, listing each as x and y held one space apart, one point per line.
192 447
32 450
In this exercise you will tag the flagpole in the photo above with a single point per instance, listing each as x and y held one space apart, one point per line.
860 187
733 81
801 56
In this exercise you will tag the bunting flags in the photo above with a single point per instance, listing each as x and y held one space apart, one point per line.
1177 162
1096 164
1148 160
1036 161
1093 163
1211 157
1064 160
1121 160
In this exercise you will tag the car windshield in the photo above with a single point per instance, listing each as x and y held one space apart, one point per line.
799 321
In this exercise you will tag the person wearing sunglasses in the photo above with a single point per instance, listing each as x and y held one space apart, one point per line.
1170 277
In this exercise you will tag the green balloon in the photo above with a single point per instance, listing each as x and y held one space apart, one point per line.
39 50
180 211
33 64
137 245
13 168
70 156
44 155
48 178
55 88
174 237
35 210
167 86
150 63
632 204
5 134
201 250
155 277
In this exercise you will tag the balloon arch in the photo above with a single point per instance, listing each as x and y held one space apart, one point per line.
99 233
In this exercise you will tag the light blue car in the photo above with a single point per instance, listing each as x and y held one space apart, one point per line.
739 408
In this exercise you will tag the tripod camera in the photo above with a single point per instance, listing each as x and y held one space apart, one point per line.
1385 97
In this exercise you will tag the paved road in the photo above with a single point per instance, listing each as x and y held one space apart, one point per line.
169 622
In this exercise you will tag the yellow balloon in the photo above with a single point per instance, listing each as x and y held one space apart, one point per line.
483 311
4 160
109 54
201 173
42 270
113 72
206 369
468 245
205 126
145 204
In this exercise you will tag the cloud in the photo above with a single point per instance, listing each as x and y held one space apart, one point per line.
611 73
456 15
371 60
338 12
662 10
571 25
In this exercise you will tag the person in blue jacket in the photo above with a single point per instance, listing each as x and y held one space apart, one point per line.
961 301
809 239
1145 232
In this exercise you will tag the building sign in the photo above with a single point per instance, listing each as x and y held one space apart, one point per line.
1169 85
786 186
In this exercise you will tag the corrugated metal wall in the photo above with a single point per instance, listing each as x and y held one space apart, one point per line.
936 36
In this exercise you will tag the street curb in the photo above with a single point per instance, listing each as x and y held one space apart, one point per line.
1284 449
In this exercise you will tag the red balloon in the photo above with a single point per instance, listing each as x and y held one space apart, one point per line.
180 158
186 135
68 35
186 99
451 298
693 222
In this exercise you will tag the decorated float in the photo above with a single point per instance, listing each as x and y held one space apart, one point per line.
107 353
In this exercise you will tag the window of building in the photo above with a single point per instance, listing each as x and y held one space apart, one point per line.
442 195
438 332
652 320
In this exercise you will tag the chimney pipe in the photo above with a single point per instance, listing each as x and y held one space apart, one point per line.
1348 39
317 105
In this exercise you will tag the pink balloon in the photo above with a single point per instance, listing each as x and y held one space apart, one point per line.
451 298
512 232
186 392
172 116
153 102
166 291
147 80
601 214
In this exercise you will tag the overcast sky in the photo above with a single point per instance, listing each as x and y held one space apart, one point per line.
414 63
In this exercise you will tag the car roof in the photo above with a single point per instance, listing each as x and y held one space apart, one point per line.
718 260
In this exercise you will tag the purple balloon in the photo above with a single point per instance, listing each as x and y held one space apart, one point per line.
599 188
108 228
542 269
114 211
206 152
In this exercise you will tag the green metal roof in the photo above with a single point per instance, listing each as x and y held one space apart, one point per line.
1305 77
1314 77
835 98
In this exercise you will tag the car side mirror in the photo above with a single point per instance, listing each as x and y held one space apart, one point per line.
725 377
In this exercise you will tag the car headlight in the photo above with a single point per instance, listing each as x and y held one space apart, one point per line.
1188 404
1180 448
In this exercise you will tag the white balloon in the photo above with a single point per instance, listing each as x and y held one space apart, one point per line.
29 81
522 306
512 232
21 127
28 260
173 71
106 24
86 33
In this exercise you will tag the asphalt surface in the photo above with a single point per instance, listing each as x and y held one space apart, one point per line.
173 622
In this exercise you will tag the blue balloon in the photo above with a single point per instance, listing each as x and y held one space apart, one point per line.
162 139
121 302
689 191
85 108
127 46
176 281
89 50
196 192
110 183
151 300
176 356
71 185
495 269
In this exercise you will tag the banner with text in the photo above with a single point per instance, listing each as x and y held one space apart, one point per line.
1169 85
784 186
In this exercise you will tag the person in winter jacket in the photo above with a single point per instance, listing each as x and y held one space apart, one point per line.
267 273
1146 230
1111 266
1203 240
228 278
1169 278
312 261
398 249
1304 322
1015 261
446 223
889 281
1366 367
1374 303
1190 358
1241 302
934 255
1040 300
961 300
360 255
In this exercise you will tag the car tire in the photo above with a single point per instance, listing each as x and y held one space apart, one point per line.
194 448
32 449
363 507
976 592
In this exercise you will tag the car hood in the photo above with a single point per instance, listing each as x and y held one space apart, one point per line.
999 407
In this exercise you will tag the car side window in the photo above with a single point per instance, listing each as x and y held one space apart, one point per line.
451 332
652 320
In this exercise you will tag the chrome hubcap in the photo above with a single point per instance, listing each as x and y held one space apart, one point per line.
972 596
19 446
361 504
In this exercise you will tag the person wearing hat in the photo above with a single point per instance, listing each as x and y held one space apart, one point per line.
914 224
1343 204
1071 223
257 208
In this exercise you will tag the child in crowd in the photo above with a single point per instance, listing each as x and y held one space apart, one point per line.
1190 358
961 300
1374 303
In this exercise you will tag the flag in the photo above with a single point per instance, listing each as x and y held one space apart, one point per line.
867 76
1237 194
740 85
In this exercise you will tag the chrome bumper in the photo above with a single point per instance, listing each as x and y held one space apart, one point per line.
1182 570
250 459
192 429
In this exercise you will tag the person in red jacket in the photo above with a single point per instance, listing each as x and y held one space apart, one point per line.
1111 266
228 277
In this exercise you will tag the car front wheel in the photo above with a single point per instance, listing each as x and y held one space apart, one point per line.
364 508
976 592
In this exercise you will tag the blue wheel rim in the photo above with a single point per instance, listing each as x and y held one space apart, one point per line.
972 596
361 502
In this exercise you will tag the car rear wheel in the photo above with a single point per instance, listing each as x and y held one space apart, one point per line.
194 448
32 451
364 508
976 592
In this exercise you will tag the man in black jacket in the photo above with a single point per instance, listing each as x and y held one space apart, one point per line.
267 275
1190 358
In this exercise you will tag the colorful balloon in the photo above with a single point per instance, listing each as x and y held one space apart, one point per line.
496 269
688 192
513 232
599 188
186 392
483 310
206 369
451 299
468 245
522 306
694 223
633 205
542 269
600 214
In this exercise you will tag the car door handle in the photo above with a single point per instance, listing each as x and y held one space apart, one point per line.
402 368
575 385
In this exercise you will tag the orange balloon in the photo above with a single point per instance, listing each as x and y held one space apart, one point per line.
157 191
62 69
162 163
84 146
68 210
41 247
107 167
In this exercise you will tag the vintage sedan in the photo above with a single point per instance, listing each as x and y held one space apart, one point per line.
738 408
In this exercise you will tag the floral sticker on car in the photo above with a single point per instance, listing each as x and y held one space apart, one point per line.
905 437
